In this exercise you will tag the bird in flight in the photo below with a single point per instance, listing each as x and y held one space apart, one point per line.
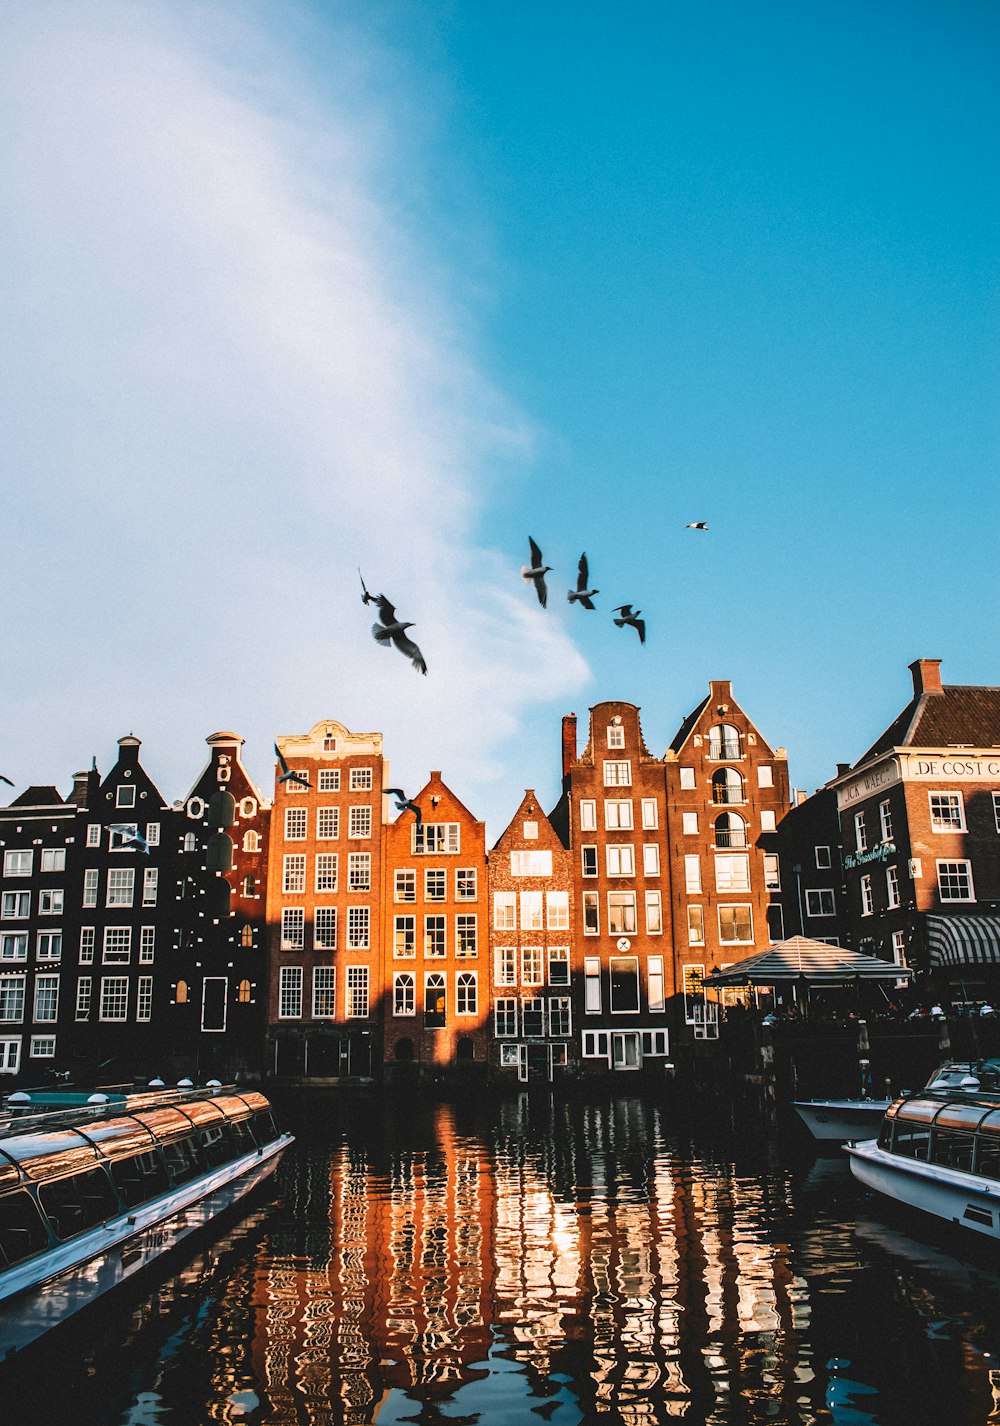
403 802
697 525
128 836
630 616
287 775
391 630
6 780
537 571
581 594
366 596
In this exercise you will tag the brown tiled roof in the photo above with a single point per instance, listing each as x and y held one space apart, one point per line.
38 797
955 717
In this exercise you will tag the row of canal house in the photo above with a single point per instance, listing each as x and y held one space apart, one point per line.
324 934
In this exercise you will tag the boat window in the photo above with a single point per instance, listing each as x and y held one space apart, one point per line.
181 1159
885 1135
951 1150
264 1128
920 1111
139 1178
22 1231
242 1137
81 1201
216 1146
910 1140
988 1155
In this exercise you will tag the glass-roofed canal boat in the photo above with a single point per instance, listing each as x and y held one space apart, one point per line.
938 1151
90 1195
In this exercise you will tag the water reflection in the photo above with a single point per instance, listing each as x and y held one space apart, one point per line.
542 1259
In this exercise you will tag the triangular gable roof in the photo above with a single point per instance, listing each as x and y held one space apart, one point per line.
687 727
956 715
436 779
39 797
530 798
801 958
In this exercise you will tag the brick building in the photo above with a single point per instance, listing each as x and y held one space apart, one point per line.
812 870
537 957
436 942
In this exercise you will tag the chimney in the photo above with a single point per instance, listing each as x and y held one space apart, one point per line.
843 769
78 796
568 742
926 676
721 693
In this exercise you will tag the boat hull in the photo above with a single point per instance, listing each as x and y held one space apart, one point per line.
43 1292
841 1120
960 1198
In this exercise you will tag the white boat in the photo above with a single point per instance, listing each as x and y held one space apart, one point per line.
841 1121
89 1197
938 1151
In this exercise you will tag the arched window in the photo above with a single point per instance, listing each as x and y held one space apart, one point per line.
246 935
181 993
465 1050
724 742
249 886
251 841
465 993
243 993
190 842
730 830
727 786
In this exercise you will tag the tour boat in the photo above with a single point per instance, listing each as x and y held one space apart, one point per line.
938 1151
840 1121
89 1196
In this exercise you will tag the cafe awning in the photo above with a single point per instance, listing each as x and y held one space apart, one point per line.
801 959
963 940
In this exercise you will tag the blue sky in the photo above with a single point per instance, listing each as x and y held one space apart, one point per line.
290 288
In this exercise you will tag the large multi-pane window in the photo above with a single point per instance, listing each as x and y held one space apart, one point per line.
147 944
560 1018
557 910
359 871
505 1016
404 1000
327 823
405 937
947 812
466 941
405 888
90 880
532 970
290 993
505 965
531 863
324 988
504 910
466 884
295 824
434 936
955 880
732 872
621 913
84 988
328 780
617 773
326 871
466 994
11 998
144 998
531 910
325 928
435 837
117 945
294 878
435 884
358 928
87 938
46 1009
359 822
114 997
357 992
361 779
559 965
121 886
293 928
735 924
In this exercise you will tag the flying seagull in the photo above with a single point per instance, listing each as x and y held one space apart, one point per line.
391 630
6 780
537 571
286 773
129 836
697 525
581 594
631 617
367 597
403 802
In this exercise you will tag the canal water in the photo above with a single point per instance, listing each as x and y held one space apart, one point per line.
539 1259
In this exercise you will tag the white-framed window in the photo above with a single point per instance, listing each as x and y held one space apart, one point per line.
295 788
466 883
616 735
359 822
688 780
505 1016
293 873
694 992
435 884
529 831
150 884
775 916
327 824
466 993
588 859
435 944
359 871
16 905
768 822
557 910
532 969
293 928
504 910
651 859
48 946
144 998
822 858
152 834
505 965
147 945
46 1007
404 994
867 900
620 858
361 779
591 914
50 903
899 947
405 885
466 936
624 984
735 924
732 872
430 837
42 1047
820 902
860 832
531 910
328 779
588 814
404 937
892 886
947 811
996 810
88 936
357 992
358 929
654 913
559 965
730 830
533 863
772 872
692 873
591 985
727 786
114 997
18 863
618 815
296 820
93 834
117 950
251 841
765 776
885 820
955 881
84 991
560 1016
696 925
655 984
325 928
53 859
125 795
533 1016
689 824
290 993
650 818
621 913
324 997
121 886
14 946
655 1043
12 999
617 774
596 1045
326 871
724 742
10 1055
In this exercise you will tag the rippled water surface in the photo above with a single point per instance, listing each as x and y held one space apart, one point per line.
538 1260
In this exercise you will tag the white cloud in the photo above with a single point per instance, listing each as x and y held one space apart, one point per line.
234 375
